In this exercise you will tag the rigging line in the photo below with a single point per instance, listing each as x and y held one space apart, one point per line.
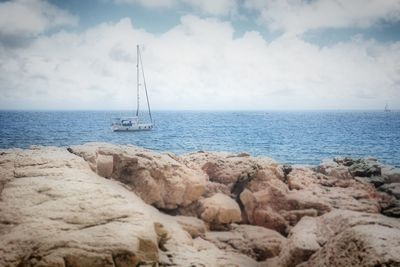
145 87
137 80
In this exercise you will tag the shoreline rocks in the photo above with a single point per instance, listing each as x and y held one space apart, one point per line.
100 204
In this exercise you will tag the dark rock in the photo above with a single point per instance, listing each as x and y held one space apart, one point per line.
393 210
391 189
375 180
365 168
286 170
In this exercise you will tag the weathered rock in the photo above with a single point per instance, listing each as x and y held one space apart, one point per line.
391 174
374 180
365 168
104 165
55 211
392 189
234 171
302 243
346 168
337 193
212 188
261 208
362 245
205 253
159 179
194 226
334 169
392 210
219 210
315 241
307 193
258 242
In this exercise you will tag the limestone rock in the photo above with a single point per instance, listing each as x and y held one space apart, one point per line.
159 179
362 245
392 189
392 210
258 242
55 211
234 170
205 253
302 243
308 193
315 241
391 174
337 193
219 210
333 168
104 165
194 226
212 188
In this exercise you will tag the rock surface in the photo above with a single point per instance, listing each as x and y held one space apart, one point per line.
236 171
55 211
96 205
258 242
219 210
342 238
159 179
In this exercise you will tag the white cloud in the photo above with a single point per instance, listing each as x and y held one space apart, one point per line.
208 7
298 16
197 65
27 18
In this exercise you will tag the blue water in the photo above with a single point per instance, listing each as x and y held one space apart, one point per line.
289 137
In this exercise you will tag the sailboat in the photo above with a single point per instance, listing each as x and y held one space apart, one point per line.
135 123
387 109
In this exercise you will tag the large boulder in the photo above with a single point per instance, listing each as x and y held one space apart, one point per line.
339 193
333 168
392 189
159 179
391 174
340 238
301 244
236 171
55 211
280 206
365 167
362 245
219 210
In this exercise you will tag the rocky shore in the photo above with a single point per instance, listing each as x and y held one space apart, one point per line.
100 204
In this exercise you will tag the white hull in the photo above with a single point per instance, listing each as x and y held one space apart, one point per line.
137 127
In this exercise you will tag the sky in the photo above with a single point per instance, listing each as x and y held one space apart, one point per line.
200 54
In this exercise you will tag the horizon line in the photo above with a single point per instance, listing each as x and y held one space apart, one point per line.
198 110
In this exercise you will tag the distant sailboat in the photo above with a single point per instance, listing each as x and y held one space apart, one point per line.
135 123
387 109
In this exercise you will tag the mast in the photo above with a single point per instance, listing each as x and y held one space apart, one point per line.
145 88
137 80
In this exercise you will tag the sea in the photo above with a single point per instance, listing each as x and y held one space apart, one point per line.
292 137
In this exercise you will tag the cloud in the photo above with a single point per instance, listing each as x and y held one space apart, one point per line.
29 18
198 64
207 7
298 16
